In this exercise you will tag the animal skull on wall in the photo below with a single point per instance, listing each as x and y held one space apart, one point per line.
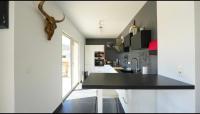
49 21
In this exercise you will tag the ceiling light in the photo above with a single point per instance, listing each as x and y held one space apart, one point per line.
133 28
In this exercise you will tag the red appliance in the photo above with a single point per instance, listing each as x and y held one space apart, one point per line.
153 45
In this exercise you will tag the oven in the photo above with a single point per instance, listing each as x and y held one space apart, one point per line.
99 62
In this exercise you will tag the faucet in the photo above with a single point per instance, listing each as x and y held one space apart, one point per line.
137 65
125 59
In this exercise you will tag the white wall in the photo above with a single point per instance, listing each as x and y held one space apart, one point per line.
7 64
197 52
38 82
176 47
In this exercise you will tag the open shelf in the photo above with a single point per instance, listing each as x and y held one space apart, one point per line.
153 52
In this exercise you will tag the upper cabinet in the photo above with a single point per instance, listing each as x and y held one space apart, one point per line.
141 40
3 14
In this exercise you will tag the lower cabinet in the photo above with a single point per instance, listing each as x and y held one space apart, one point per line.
138 101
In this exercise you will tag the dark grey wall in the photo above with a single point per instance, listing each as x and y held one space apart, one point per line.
147 18
110 53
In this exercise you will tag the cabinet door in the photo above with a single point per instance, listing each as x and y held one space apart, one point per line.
142 101
145 38
141 40
90 53
136 41
4 14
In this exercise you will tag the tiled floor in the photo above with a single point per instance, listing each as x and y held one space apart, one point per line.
85 101
88 105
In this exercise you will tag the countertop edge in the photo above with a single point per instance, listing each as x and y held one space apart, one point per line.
138 87
180 85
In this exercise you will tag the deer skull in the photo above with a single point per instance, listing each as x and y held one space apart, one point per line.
49 21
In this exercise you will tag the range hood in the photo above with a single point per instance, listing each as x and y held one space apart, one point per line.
118 48
118 45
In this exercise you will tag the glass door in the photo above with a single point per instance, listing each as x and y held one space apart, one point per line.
66 66
70 64
75 64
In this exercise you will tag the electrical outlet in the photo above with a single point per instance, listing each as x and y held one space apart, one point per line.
179 70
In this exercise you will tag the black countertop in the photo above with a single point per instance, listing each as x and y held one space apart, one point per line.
132 81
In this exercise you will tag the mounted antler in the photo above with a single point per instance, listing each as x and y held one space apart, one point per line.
50 21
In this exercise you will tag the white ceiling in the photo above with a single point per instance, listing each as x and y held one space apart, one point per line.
115 16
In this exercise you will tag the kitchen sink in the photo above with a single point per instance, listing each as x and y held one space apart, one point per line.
126 71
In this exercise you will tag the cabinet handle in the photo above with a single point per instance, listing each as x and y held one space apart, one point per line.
4 20
124 100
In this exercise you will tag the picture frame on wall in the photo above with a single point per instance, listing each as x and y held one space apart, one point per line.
4 14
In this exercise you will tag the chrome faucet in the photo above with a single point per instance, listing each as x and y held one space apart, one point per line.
137 69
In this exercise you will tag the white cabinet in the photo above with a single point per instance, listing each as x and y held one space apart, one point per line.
175 101
142 101
89 56
90 51
138 101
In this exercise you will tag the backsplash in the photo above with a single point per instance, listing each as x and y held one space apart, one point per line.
143 57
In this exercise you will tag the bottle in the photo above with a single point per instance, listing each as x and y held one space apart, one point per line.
128 66
144 70
117 62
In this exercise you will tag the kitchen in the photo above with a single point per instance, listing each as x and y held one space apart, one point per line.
100 57
120 51
133 53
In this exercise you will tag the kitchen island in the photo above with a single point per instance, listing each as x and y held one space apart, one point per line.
130 81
